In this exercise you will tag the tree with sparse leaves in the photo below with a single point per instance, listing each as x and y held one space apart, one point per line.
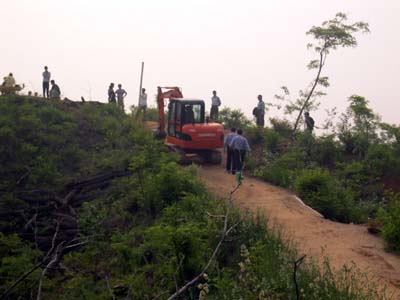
331 35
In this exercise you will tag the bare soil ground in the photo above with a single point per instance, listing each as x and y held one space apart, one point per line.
343 244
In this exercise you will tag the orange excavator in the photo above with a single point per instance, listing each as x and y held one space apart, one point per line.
189 132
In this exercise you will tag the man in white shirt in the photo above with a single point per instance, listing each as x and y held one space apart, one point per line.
121 94
215 103
142 103
46 82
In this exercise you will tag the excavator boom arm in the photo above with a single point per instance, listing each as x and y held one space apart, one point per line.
171 92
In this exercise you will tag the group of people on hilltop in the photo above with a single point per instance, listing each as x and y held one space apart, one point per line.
258 111
117 96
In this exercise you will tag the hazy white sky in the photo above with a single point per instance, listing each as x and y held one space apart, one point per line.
239 48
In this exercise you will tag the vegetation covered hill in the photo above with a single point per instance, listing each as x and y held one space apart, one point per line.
92 207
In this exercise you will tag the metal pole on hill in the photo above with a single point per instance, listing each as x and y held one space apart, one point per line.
141 81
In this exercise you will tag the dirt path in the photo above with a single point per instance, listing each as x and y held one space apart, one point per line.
343 243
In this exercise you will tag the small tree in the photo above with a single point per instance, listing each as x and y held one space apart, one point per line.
359 126
233 118
329 36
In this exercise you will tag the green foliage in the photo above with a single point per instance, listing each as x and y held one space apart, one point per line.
390 217
150 231
318 189
382 161
16 259
233 118
325 151
282 127
283 169
272 139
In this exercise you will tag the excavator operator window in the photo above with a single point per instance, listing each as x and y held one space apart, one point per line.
193 113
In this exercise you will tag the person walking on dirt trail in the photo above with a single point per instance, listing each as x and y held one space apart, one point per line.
111 94
55 92
228 150
240 147
142 103
121 94
260 111
46 82
309 122
215 103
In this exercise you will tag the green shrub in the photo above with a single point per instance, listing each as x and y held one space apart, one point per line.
282 170
283 127
391 225
255 135
272 139
319 190
325 151
233 118
381 160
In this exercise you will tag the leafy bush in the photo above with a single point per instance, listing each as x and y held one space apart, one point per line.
282 170
390 218
272 139
319 190
381 160
255 135
233 118
325 151
283 127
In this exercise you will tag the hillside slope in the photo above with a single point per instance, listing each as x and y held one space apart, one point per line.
342 243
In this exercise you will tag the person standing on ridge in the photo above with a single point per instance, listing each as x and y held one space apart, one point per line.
121 94
309 122
215 103
142 103
228 150
46 82
240 147
111 93
55 91
260 111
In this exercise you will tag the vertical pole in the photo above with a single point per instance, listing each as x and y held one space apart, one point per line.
141 81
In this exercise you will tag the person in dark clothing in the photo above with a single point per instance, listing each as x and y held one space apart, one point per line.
46 82
309 122
260 111
55 92
240 146
228 150
188 115
111 94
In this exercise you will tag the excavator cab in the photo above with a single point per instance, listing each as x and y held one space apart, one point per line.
181 112
188 131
